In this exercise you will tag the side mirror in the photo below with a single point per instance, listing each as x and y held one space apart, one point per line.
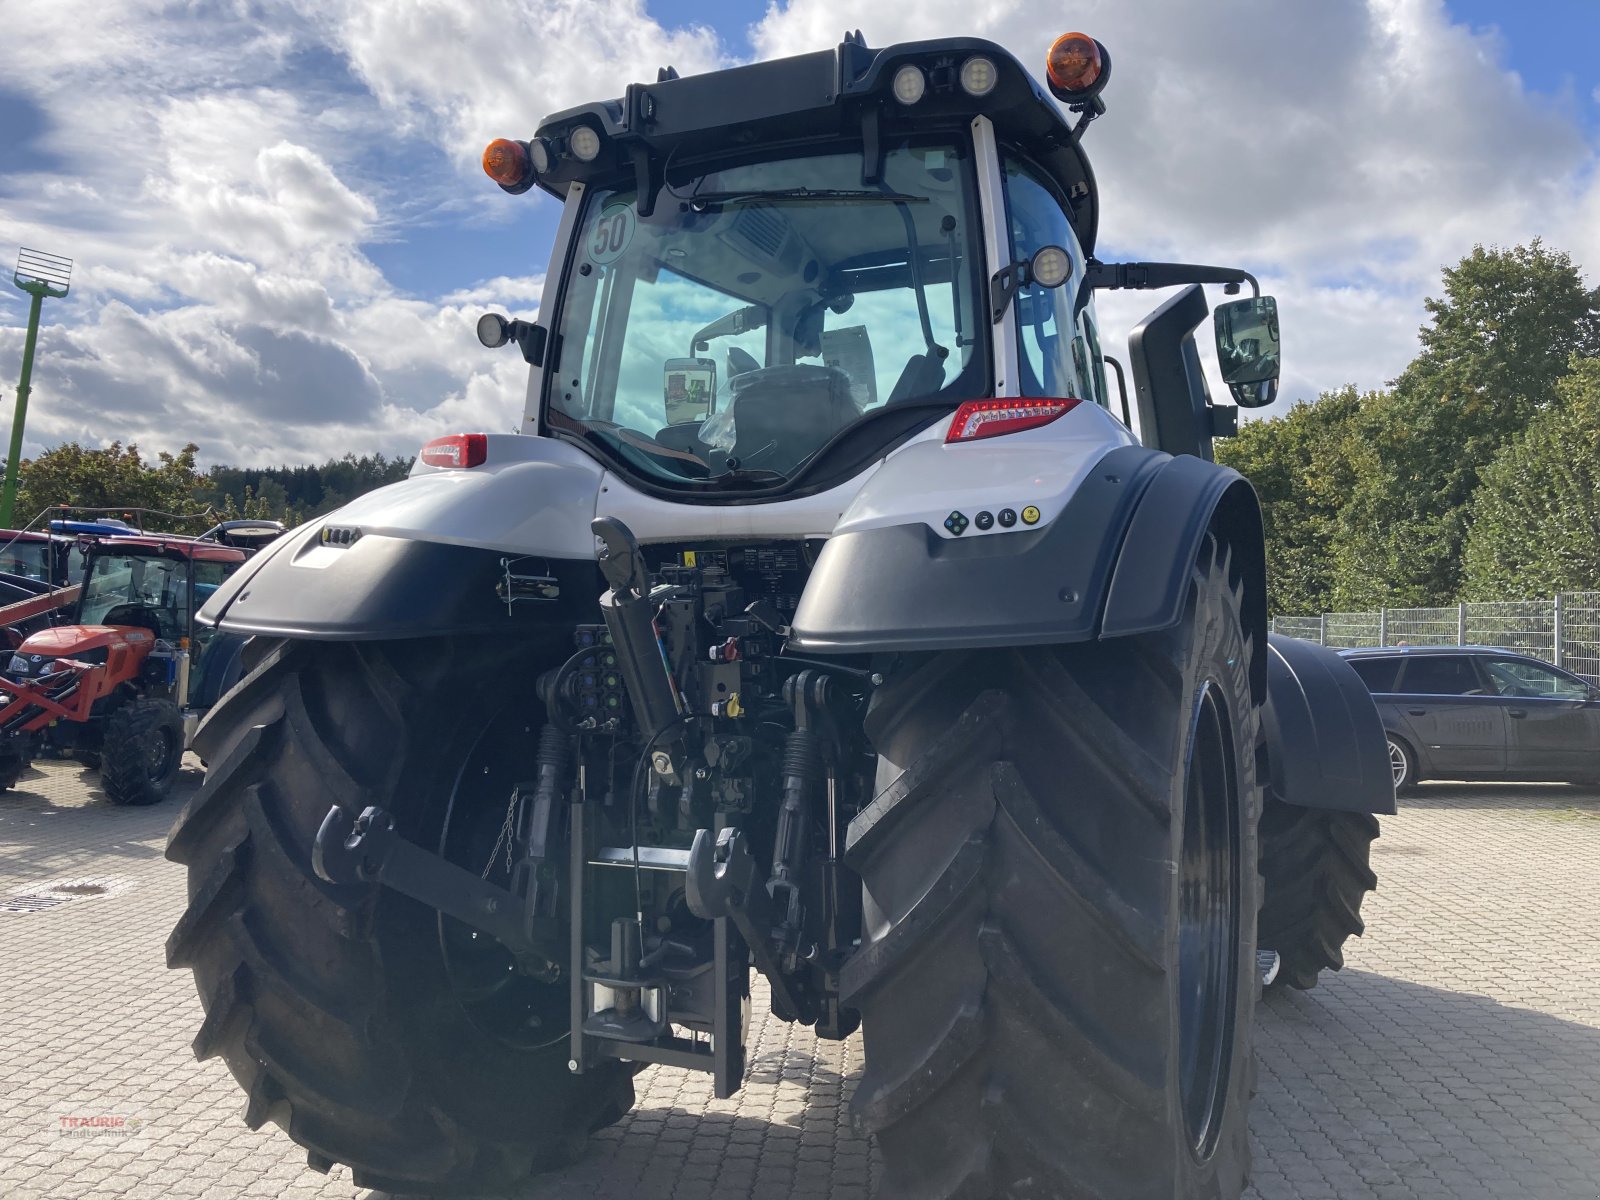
688 387
1248 349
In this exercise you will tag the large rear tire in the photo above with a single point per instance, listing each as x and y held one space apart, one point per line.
1316 869
373 1031
1057 977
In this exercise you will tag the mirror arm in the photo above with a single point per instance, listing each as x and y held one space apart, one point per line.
1146 275
1003 285
740 320
530 337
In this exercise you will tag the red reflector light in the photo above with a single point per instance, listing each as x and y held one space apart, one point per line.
457 450
990 418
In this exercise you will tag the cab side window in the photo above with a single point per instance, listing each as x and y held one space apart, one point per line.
1055 358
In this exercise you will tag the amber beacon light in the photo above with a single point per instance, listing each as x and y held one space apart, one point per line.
1077 67
506 162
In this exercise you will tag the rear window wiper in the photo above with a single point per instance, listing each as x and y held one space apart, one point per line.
806 195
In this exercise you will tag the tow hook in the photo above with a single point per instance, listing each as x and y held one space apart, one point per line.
723 882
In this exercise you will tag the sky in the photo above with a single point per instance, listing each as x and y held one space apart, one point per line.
282 237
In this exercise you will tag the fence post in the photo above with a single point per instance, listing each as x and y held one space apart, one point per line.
1383 627
1322 629
1461 624
1557 631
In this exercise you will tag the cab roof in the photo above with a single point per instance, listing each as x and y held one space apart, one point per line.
843 93
170 545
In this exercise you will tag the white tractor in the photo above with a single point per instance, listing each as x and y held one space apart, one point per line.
825 618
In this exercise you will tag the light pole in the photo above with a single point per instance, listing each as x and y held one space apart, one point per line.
39 275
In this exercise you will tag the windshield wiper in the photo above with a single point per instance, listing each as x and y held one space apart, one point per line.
806 195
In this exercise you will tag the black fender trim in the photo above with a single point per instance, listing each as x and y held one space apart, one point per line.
903 587
1151 584
1325 740
381 587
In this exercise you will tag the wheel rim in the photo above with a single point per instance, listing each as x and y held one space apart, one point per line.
1208 903
506 1003
158 751
1397 763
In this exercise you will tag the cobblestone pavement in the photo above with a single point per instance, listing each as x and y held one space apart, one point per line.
1458 1055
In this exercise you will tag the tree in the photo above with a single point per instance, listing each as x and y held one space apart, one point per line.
298 493
1303 466
1536 515
1495 347
116 476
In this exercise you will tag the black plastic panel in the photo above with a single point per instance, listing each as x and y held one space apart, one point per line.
1150 586
1324 736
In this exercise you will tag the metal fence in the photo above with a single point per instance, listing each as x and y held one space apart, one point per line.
1564 630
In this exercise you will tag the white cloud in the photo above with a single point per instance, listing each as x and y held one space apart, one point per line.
220 173
1345 151
466 73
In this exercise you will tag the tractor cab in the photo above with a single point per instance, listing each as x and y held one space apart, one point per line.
152 581
124 683
52 559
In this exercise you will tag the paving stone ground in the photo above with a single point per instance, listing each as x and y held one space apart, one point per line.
1458 1055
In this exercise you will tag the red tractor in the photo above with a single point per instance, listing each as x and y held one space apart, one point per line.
122 686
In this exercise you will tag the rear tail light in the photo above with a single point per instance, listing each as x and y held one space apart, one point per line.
457 450
990 418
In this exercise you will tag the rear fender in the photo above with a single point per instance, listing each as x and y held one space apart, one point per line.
430 555
1119 531
1325 740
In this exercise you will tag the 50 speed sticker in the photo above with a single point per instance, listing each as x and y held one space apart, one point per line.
611 233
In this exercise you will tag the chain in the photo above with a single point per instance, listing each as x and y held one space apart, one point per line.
506 838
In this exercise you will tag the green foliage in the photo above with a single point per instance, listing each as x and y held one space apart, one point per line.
1373 502
1536 514
1492 354
1303 466
294 494
116 476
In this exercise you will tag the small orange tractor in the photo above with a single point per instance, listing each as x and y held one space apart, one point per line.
122 686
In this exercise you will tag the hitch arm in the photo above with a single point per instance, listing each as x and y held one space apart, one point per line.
367 849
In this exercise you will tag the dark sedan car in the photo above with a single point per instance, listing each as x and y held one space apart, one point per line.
1477 712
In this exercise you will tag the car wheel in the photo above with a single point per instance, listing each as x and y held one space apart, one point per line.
1404 765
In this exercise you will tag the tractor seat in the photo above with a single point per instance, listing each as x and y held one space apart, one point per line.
783 415
135 616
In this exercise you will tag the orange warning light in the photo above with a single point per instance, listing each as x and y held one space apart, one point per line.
506 162
1074 63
